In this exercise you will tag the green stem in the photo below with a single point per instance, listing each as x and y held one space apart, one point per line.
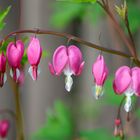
19 120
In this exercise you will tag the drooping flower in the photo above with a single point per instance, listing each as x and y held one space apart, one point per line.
100 73
127 81
14 54
4 128
34 53
69 61
3 76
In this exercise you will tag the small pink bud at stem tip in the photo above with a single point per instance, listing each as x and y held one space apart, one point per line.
117 122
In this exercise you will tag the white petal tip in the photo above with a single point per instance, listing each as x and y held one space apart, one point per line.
97 92
18 73
68 83
30 72
5 78
11 73
128 104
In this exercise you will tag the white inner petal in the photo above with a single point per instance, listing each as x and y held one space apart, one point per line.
128 104
5 78
68 83
17 73
129 92
30 72
11 73
68 80
38 71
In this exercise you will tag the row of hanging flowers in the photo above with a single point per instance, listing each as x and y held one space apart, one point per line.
69 61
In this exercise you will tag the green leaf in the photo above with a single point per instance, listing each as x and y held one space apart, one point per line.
2 25
3 14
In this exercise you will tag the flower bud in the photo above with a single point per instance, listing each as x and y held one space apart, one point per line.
4 128
14 54
34 53
100 73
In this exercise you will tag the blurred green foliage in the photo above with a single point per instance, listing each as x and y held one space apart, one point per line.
66 11
3 14
58 126
111 97
97 134
133 15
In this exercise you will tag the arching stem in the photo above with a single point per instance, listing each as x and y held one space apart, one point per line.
74 38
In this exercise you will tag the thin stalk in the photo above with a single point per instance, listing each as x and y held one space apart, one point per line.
119 108
19 120
129 31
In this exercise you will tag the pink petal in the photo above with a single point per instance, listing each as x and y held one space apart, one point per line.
51 69
75 58
100 70
2 63
20 47
136 80
81 68
60 59
14 53
122 79
34 51
4 128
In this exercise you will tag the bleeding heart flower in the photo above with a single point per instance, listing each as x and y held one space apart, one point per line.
127 81
3 76
34 53
4 128
14 54
100 73
69 61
